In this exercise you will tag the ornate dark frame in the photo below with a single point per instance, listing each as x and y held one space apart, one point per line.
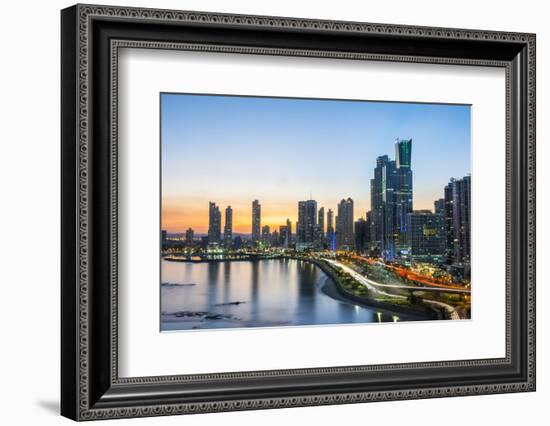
90 386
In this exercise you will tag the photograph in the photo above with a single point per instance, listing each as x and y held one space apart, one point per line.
267 208
281 212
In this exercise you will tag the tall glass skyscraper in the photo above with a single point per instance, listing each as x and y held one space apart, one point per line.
307 224
256 221
321 222
289 232
439 206
331 236
360 229
228 228
458 220
344 225
214 223
266 236
189 237
403 192
392 200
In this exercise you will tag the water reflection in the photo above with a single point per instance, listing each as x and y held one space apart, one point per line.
278 292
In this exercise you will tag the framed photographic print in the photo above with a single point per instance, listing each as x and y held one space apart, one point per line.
263 212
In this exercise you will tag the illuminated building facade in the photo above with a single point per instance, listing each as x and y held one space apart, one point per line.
214 223
458 220
228 228
392 200
306 225
256 221
344 225
426 236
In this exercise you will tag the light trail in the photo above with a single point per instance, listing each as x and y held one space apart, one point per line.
403 272
370 282
373 285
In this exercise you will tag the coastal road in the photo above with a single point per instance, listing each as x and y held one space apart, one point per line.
373 285
369 282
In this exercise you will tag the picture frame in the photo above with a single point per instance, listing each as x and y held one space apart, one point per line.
91 37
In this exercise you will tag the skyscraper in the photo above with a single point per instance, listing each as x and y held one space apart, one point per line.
403 192
439 206
331 237
448 212
228 228
256 220
275 239
320 229
344 225
381 205
321 222
238 242
426 236
376 209
189 237
306 225
214 224
288 238
266 236
458 220
360 229
391 200
370 231
283 236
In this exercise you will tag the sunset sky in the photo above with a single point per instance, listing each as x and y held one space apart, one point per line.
232 150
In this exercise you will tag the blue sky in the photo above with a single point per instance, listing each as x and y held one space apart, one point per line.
232 150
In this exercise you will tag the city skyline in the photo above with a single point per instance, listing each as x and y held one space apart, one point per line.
393 229
286 165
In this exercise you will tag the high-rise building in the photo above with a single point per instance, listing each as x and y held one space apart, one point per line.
228 228
344 225
189 237
426 236
163 237
214 223
392 200
458 221
321 222
237 243
439 206
288 238
403 153
382 204
283 231
448 197
403 192
376 207
300 225
275 238
256 221
266 236
370 238
306 225
331 236
360 229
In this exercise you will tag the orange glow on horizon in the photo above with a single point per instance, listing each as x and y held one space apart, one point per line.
179 215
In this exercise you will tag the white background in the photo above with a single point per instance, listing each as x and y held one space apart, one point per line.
146 352
29 176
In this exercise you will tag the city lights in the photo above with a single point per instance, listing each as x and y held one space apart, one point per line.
369 232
